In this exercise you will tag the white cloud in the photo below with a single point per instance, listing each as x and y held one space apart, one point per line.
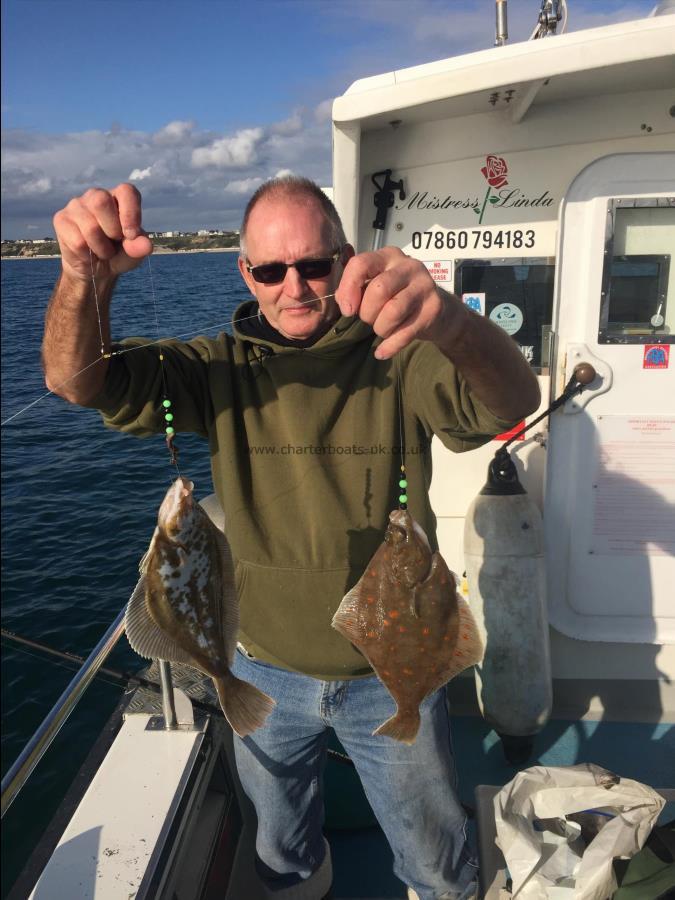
291 125
229 152
37 185
243 185
173 133
140 174
282 173
42 172
323 111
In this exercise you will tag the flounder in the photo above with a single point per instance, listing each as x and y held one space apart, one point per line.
408 620
185 608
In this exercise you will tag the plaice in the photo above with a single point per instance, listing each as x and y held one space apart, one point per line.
408 620
185 608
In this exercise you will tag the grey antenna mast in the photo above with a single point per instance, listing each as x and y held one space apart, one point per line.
501 26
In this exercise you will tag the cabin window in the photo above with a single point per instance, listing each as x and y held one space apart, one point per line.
638 281
517 294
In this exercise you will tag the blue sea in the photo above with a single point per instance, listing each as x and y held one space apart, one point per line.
79 504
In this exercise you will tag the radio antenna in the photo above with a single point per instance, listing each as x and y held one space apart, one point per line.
501 26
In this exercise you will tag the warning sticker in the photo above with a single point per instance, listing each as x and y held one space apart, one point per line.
656 356
476 302
439 269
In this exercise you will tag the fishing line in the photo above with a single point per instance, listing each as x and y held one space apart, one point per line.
121 351
403 480
98 311
49 393
166 402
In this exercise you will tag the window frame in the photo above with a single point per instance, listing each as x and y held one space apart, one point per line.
605 334
546 347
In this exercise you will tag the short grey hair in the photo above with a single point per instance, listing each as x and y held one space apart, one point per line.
294 187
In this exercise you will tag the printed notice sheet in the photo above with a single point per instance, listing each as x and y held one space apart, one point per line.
634 486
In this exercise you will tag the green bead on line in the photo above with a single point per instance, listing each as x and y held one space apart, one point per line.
166 403
403 498
170 430
169 417
403 483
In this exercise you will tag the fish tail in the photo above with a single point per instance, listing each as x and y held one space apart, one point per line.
245 706
401 727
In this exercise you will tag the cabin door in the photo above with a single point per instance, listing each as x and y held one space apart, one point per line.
609 509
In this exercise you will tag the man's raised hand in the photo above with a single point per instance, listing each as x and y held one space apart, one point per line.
106 224
397 296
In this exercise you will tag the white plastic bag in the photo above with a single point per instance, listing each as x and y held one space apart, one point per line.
548 860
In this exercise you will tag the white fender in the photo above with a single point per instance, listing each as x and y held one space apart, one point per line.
504 555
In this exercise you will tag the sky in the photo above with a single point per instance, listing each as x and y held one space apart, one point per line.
198 102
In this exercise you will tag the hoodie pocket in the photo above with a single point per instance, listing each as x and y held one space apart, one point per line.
286 615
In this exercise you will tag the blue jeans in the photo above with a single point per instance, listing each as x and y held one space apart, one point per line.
412 789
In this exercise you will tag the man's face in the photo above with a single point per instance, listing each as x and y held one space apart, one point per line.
287 230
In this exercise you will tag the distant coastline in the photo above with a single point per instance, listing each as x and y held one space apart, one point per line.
158 251
163 242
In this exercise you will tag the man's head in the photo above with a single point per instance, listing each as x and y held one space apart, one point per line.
290 220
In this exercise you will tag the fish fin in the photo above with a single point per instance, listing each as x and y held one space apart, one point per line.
401 727
469 649
229 609
345 619
143 633
244 705
143 564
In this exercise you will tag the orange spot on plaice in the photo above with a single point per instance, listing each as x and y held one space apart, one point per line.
372 573
394 613
371 634
408 672
370 599
402 628
426 630
386 623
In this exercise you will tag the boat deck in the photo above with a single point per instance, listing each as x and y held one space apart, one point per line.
362 860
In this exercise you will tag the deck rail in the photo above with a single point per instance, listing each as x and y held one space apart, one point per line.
34 750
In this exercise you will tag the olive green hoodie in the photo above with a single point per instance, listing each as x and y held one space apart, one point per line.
305 457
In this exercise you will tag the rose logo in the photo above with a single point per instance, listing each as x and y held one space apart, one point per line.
495 171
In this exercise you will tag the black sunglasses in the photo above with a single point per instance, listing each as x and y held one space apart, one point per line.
273 273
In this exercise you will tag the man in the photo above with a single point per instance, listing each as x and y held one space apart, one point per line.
336 357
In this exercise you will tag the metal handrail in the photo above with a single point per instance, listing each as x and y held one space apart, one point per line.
32 753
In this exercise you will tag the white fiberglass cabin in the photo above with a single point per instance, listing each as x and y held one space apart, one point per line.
537 182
